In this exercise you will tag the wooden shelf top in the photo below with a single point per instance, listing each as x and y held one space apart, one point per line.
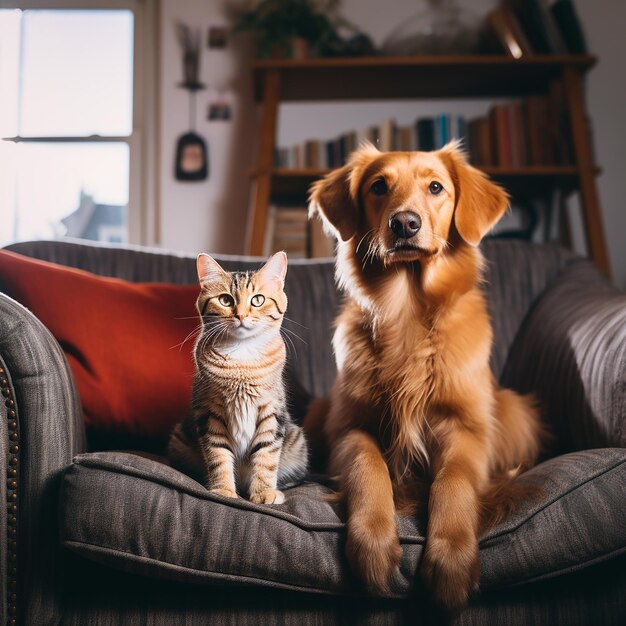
380 77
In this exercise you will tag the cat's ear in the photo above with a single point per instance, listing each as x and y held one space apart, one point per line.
209 270
275 270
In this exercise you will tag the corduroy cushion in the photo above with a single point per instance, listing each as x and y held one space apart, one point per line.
142 516
123 341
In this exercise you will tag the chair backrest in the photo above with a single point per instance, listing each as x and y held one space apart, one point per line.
516 274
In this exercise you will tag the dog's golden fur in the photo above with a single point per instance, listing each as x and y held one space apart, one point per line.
415 400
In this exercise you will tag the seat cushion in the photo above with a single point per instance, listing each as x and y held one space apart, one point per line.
140 515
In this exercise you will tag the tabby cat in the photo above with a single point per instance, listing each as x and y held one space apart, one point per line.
239 435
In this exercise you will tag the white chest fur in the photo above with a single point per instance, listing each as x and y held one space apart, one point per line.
243 417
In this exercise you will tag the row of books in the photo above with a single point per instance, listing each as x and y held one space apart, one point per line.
532 131
289 229
526 27
428 133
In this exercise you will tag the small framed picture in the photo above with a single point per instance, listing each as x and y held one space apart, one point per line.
218 37
219 111
192 158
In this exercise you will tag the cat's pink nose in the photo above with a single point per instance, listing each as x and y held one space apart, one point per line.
241 317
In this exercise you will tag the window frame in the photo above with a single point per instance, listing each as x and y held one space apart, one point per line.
143 223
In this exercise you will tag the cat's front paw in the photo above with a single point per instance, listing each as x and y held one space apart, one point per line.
269 496
227 493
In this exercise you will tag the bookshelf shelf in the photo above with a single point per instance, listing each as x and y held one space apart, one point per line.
422 77
382 78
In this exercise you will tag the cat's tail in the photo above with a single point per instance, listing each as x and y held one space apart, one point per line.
184 454
313 425
294 457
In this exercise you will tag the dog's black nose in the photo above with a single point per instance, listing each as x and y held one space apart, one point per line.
405 224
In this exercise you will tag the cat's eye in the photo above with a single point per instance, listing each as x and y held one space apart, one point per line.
435 187
226 300
379 187
257 300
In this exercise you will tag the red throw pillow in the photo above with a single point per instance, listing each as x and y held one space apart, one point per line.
123 341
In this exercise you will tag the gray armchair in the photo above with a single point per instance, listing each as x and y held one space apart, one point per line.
110 536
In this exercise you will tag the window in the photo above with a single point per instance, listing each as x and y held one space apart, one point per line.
66 79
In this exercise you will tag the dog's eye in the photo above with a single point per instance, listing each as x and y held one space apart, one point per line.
226 300
257 300
435 187
379 187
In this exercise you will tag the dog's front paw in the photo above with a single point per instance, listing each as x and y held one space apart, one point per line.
374 551
227 493
451 573
268 496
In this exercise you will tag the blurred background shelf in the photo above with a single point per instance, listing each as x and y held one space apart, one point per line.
471 76
422 77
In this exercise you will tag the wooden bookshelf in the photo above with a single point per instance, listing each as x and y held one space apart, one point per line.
420 77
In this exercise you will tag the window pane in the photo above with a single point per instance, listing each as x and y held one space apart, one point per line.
9 70
76 73
53 190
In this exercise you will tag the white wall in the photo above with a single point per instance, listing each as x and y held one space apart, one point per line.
211 215
604 22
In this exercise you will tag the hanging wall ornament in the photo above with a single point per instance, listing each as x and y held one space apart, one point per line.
192 155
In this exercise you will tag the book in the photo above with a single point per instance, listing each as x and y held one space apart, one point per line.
442 131
404 139
517 133
509 32
500 135
483 141
425 130
566 18
538 25
386 135
288 228
313 154
539 136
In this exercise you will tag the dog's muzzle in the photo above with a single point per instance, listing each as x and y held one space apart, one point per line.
405 224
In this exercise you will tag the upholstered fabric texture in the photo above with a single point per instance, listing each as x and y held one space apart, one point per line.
571 353
51 432
203 537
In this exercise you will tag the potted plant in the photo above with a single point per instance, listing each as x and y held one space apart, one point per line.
293 28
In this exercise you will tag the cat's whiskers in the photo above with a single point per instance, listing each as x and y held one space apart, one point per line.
289 343
187 338
292 321
291 332
215 331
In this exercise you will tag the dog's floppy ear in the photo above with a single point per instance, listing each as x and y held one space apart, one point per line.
480 203
335 197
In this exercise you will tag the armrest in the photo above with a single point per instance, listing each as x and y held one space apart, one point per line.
571 353
42 431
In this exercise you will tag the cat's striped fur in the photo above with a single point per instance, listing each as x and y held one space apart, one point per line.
239 436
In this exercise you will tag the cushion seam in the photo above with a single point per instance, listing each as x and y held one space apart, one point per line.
551 502
264 581
563 571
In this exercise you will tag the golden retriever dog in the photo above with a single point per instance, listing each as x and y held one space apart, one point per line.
415 400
